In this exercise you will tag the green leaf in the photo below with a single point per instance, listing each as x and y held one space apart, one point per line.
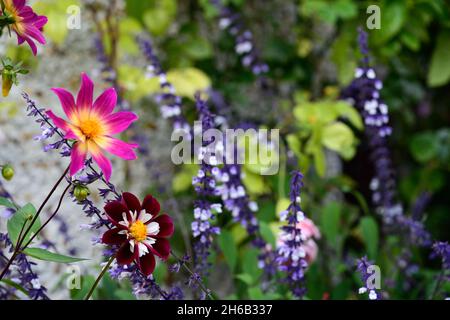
182 180
369 232
15 285
135 82
439 73
159 18
56 12
187 81
254 183
347 111
124 294
338 137
6 203
255 293
393 16
246 278
319 161
86 284
266 233
282 205
46 255
228 247
343 58
329 221
250 263
424 146
23 216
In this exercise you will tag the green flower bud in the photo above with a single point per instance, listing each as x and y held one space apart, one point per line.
8 172
81 192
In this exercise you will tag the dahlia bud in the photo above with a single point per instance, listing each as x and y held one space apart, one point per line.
81 192
7 82
8 172
9 74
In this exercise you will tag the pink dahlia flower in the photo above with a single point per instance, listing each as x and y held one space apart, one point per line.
27 24
139 231
92 124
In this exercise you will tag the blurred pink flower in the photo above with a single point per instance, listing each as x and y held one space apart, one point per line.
27 24
91 124
310 232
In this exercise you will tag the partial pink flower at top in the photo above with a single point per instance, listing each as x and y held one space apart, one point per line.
27 24
92 124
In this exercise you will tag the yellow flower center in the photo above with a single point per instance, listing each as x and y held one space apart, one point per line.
138 230
91 128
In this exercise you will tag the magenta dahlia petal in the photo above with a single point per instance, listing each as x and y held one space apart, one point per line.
19 4
86 93
31 44
119 148
124 256
59 122
132 203
40 22
161 248
120 121
166 227
67 101
112 237
103 162
151 205
78 157
105 103
147 264
34 32
70 135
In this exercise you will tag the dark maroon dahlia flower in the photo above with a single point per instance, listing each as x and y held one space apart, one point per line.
139 231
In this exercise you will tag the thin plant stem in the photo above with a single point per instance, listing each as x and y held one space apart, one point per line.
438 284
100 276
199 282
48 220
14 255
36 216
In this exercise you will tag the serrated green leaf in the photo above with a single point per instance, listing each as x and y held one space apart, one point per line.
43 254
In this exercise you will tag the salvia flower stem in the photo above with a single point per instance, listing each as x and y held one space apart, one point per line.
199 281
291 256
